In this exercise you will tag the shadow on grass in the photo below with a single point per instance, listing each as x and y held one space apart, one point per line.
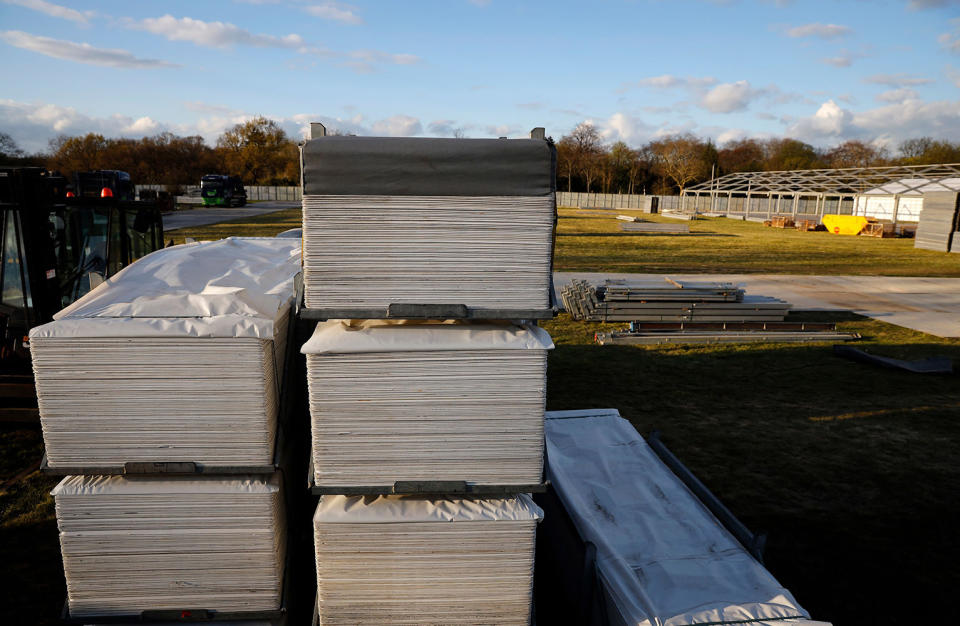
851 505
694 234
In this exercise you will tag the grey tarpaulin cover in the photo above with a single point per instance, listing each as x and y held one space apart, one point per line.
416 560
393 401
131 544
176 358
406 166
662 557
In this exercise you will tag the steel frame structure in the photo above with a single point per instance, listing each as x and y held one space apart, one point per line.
797 191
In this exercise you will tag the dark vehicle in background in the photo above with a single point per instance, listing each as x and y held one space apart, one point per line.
55 248
222 190
104 184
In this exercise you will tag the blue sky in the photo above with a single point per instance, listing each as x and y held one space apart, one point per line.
879 70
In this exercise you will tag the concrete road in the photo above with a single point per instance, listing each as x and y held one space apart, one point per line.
215 215
930 305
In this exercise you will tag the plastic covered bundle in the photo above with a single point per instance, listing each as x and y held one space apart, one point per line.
412 560
176 358
427 401
149 543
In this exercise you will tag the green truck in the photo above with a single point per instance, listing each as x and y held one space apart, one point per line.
222 190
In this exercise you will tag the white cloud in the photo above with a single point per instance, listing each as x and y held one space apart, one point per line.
838 61
661 82
212 34
729 97
398 126
951 41
822 31
54 10
897 80
623 127
79 52
443 128
365 61
885 125
917 5
335 11
898 95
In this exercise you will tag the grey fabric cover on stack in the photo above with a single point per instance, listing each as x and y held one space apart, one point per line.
428 221
410 560
938 221
149 543
405 401
176 358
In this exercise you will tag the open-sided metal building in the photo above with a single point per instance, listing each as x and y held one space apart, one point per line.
893 193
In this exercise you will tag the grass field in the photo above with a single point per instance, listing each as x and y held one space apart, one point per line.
852 470
595 244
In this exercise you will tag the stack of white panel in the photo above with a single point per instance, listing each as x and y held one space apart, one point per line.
147 543
176 358
409 560
404 401
462 221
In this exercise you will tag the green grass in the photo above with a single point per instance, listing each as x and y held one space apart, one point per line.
851 469
267 225
596 244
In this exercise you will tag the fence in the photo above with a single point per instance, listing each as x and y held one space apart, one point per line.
254 192
639 202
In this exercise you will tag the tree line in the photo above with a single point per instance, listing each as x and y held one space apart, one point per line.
669 164
261 153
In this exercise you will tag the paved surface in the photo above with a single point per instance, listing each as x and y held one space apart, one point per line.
215 215
930 305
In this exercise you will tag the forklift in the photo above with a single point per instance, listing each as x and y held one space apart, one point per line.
55 246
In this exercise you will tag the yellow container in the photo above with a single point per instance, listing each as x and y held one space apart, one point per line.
845 224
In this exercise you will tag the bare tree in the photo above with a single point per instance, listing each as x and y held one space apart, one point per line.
854 153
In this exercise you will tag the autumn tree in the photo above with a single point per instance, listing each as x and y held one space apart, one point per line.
928 151
682 159
259 151
79 154
791 154
740 155
855 153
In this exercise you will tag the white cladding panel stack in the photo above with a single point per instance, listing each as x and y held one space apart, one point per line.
135 544
409 560
413 222
427 221
417 402
176 358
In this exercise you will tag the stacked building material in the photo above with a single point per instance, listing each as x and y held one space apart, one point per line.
176 358
668 302
409 401
404 220
938 221
413 560
662 557
151 544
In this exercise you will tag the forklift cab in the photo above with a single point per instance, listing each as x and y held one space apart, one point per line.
55 249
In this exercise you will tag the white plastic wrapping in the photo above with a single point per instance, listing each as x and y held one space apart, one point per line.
661 555
407 509
409 560
235 287
358 336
